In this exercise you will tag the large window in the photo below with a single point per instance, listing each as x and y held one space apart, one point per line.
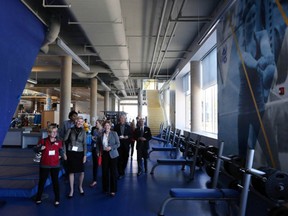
209 93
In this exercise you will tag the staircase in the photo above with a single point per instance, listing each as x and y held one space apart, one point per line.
155 112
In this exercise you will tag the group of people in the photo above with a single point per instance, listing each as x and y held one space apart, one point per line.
67 147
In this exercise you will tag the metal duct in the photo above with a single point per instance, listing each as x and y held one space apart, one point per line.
110 43
52 34
120 86
86 75
75 69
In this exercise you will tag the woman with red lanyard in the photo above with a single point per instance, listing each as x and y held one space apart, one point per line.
51 149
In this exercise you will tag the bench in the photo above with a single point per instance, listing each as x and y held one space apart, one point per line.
174 141
199 194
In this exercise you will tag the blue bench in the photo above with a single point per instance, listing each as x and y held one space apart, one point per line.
173 147
169 162
199 194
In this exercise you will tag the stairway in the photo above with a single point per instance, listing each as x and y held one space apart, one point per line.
155 112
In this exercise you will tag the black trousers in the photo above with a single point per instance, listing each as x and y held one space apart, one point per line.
142 153
123 157
43 175
109 173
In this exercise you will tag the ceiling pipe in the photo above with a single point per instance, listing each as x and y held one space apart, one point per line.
51 35
120 86
132 87
170 39
158 35
75 68
221 12
86 75
165 35
107 12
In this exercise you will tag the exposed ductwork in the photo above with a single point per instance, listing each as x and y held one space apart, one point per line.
105 21
120 86
86 75
75 69
52 34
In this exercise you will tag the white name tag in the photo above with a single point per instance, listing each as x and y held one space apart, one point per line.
52 152
74 148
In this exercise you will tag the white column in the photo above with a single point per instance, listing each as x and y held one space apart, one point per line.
140 103
195 96
93 101
65 87
106 101
48 104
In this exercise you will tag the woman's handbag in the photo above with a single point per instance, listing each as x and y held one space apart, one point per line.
100 160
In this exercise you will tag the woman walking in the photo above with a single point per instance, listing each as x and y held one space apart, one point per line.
75 139
110 143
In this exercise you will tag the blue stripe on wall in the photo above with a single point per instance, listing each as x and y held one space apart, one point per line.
21 37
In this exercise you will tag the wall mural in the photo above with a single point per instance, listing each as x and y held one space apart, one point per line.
252 80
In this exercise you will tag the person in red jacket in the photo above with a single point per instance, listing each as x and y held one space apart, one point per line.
51 149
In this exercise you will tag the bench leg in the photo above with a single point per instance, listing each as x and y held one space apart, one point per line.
161 212
150 153
153 168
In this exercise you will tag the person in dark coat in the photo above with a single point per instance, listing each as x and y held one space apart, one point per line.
125 134
142 136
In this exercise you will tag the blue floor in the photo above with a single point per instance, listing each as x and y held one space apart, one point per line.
136 196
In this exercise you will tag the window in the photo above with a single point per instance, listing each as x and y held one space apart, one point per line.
209 93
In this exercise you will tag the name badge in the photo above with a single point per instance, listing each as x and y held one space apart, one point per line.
74 148
52 152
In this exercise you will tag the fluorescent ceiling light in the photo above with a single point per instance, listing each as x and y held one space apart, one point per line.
32 81
70 52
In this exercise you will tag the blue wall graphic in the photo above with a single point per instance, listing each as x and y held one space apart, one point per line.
21 37
252 75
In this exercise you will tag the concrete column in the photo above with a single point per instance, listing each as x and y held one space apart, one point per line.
93 101
166 96
118 106
65 87
106 101
48 104
140 103
113 103
195 95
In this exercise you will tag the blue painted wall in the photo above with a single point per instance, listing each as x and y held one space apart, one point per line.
21 37
252 50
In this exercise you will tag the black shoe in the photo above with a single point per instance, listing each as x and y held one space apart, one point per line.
120 177
139 173
57 203
38 202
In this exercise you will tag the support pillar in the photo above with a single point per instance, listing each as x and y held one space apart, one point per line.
195 82
93 100
140 103
65 87
106 101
